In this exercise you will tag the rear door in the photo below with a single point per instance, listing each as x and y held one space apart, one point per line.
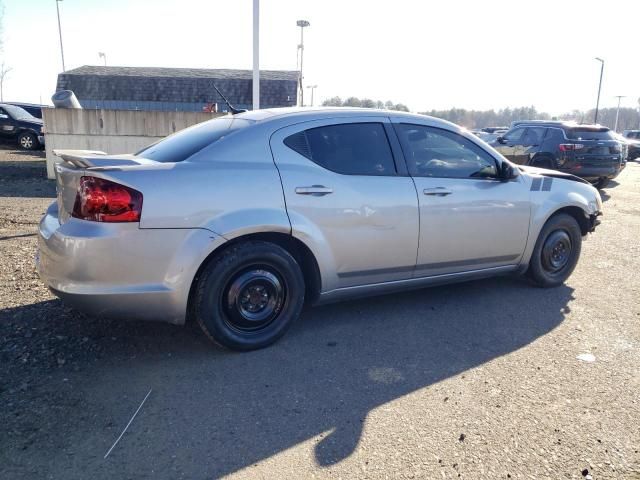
348 198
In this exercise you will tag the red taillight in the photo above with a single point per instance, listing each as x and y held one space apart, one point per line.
568 147
100 200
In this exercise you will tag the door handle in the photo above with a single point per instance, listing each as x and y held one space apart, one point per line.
437 191
315 190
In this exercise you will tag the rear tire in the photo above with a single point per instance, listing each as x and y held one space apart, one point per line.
556 252
28 141
248 297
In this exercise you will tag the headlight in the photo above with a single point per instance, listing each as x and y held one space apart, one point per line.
595 206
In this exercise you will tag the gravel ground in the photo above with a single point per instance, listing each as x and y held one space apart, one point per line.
479 380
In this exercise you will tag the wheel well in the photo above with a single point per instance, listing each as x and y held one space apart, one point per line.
295 247
578 214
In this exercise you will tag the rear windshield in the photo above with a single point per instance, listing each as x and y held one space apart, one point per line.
589 134
185 143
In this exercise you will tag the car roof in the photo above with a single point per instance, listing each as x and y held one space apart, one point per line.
558 123
296 114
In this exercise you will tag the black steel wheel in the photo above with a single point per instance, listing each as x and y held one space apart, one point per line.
253 298
556 252
247 297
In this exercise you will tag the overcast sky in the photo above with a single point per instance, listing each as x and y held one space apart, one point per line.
426 54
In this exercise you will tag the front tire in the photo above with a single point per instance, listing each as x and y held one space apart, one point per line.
556 252
28 141
247 297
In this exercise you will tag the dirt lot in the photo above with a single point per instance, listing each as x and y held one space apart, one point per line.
480 380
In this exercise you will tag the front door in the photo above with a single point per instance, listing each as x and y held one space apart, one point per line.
469 220
347 200
7 127
509 143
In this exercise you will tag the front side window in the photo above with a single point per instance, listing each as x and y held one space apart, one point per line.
514 136
434 152
347 148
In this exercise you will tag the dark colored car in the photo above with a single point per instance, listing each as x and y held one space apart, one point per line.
587 151
33 108
633 143
18 124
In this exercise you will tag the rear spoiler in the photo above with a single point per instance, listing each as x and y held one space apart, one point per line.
97 158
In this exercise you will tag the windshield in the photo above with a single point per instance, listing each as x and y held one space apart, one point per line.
185 143
18 113
589 134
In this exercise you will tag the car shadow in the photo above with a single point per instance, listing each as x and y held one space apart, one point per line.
218 411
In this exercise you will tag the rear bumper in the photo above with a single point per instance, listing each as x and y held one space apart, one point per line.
595 173
120 270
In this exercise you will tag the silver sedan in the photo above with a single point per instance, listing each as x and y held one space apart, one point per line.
238 221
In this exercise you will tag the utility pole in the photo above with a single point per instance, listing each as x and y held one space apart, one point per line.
619 97
312 87
60 34
103 56
595 120
256 54
301 24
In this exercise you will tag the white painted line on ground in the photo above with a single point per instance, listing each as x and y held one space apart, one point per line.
125 428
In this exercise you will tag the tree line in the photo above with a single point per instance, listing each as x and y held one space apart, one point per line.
629 118
364 103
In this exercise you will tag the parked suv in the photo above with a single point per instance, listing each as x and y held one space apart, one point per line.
633 143
587 151
16 123
238 221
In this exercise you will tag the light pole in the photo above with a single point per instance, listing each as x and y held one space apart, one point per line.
103 56
60 34
256 54
595 120
619 97
312 87
301 24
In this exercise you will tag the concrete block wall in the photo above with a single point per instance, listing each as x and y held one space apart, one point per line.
111 131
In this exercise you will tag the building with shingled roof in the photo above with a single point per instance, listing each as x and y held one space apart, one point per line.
176 89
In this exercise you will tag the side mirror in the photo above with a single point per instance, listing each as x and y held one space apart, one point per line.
507 172
501 140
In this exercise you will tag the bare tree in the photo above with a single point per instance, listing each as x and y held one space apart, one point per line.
4 70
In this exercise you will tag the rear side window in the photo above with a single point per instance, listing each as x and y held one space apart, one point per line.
589 134
347 148
187 142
